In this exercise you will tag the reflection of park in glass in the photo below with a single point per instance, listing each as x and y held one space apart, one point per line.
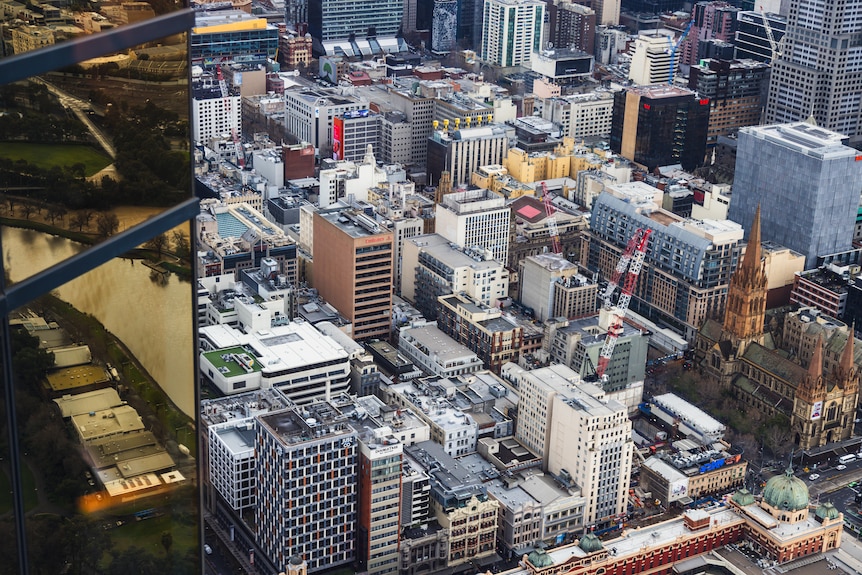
109 469
41 25
78 147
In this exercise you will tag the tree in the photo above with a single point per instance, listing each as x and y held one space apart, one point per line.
157 244
167 541
81 219
107 224
54 212
27 210
181 244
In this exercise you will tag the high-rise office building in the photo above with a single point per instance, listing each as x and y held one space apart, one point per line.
232 36
651 61
820 70
572 26
129 329
734 89
511 31
688 264
215 115
476 219
307 486
461 152
712 21
353 269
584 436
341 19
806 182
752 39
660 125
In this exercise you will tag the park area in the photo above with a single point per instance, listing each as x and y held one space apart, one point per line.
47 156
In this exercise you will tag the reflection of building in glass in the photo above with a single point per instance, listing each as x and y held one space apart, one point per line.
136 439
232 36
26 38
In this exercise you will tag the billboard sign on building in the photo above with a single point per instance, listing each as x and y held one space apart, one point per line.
677 490
338 138
816 410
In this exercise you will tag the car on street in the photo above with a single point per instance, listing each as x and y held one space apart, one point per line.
814 477
840 467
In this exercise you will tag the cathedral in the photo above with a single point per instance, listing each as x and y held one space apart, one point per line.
804 366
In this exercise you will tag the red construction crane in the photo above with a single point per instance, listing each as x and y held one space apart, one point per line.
225 96
630 263
552 221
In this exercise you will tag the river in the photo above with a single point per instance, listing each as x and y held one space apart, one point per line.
152 318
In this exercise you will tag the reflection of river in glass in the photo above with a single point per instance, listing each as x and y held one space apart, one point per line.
151 315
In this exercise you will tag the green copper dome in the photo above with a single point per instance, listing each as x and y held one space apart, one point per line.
743 497
786 492
826 511
590 543
539 558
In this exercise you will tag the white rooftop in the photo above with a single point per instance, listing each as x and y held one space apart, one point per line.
294 345
805 138
690 414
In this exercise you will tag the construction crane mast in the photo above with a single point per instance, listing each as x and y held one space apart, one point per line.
552 221
630 263
225 96
775 47
675 47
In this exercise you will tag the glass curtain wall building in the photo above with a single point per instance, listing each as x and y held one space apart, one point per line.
98 448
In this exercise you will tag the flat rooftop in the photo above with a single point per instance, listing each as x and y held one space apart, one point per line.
659 91
804 138
76 377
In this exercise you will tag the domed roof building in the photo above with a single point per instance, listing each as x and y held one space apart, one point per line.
785 497
539 558
826 511
743 497
786 492
590 543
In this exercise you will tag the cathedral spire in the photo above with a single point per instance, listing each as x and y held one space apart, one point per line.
745 311
812 389
847 355
815 367
751 261
848 375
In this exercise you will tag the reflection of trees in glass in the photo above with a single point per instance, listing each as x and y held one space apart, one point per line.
107 224
151 171
158 244
182 249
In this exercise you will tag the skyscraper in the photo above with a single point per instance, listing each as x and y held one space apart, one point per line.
353 261
339 19
820 70
660 125
512 30
805 180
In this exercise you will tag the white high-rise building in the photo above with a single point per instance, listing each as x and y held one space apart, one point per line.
214 115
476 219
584 437
651 58
512 31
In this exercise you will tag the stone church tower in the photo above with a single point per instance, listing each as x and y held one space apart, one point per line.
825 404
746 295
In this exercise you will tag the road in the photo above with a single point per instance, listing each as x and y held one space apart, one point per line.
78 106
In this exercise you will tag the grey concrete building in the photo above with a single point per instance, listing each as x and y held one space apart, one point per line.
807 183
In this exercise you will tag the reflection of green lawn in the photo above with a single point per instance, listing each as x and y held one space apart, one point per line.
5 491
31 499
147 535
49 155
